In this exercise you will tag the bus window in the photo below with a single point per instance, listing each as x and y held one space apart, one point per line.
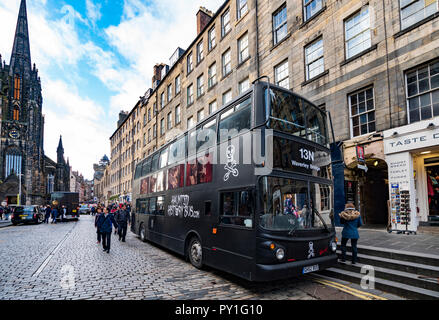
152 206
234 120
206 136
176 177
163 158
237 208
287 114
138 172
144 184
146 167
204 166
208 208
160 205
177 151
192 141
316 124
191 173
155 162
153 183
142 206
160 181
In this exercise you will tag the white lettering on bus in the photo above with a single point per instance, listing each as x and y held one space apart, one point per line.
180 207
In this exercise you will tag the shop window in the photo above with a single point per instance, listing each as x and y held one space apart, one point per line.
236 208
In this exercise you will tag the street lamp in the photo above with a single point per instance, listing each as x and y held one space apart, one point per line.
19 189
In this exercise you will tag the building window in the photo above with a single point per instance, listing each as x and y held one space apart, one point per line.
200 54
169 120
212 38
281 76
149 136
280 24
413 11
177 115
190 94
190 122
149 115
227 62
16 114
362 110
242 8
243 48
244 85
423 92
311 7
190 65
212 107
357 33
212 75
170 92
177 85
314 59
225 23
162 127
200 115
17 84
144 120
13 163
200 86
227 97
154 130
144 138
162 100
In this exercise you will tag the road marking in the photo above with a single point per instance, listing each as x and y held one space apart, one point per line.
54 251
358 293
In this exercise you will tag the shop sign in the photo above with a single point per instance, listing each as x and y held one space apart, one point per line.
427 138
363 167
360 154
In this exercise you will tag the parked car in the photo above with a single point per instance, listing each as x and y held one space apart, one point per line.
27 214
84 209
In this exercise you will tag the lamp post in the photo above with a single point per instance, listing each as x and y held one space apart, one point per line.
19 189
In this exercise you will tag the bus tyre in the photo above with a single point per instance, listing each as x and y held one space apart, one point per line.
142 233
195 252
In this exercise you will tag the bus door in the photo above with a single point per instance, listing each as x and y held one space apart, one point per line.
233 249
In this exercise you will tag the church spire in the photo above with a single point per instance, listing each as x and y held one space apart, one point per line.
60 151
20 57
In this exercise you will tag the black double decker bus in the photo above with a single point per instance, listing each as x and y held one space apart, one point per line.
248 190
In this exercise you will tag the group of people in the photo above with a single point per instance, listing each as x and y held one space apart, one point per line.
53 213
107 218
5 212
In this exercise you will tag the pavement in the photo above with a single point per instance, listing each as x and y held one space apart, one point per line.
380 238
64 262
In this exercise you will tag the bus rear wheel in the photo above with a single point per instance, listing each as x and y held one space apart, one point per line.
195 253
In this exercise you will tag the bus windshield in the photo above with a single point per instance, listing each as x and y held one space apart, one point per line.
293 115
291 205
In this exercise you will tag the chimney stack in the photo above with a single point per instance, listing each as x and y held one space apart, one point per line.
157 74
203 18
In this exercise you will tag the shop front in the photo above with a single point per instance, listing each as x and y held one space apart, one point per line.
412 155
365 179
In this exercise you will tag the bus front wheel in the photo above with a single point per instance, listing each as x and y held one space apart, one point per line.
195 253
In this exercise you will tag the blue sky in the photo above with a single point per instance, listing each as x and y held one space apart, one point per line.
95 58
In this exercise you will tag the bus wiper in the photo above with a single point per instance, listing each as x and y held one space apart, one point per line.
321 218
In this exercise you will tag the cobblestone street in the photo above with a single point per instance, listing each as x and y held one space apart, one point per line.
37 258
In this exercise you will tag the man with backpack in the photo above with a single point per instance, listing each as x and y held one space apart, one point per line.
105 224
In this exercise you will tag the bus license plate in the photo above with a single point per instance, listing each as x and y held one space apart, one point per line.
311 269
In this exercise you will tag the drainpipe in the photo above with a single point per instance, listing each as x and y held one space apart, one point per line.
257 40
387 64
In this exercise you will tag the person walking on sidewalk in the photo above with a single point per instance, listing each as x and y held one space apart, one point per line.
350 218
105 224
47 214
98 231
54 214
123 218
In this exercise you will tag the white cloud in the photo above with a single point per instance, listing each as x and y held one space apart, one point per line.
93 11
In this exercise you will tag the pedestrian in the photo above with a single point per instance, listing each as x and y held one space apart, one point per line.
7 212
105 224
64 213
47 214
1 212
350 218
123 219
54 214
98 231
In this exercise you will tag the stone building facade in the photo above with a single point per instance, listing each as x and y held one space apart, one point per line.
22 122
363 61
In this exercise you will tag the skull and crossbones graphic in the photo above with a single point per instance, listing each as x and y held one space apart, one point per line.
230 166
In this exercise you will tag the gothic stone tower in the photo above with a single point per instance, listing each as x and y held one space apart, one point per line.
62 177
22 122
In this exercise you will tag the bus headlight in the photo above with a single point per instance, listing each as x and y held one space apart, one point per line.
333 246
280 254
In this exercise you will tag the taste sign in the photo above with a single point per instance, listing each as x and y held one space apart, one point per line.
427 138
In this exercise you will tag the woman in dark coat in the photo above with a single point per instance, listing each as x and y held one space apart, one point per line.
351 221
98 231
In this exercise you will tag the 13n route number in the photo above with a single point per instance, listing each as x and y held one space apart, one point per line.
306 154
